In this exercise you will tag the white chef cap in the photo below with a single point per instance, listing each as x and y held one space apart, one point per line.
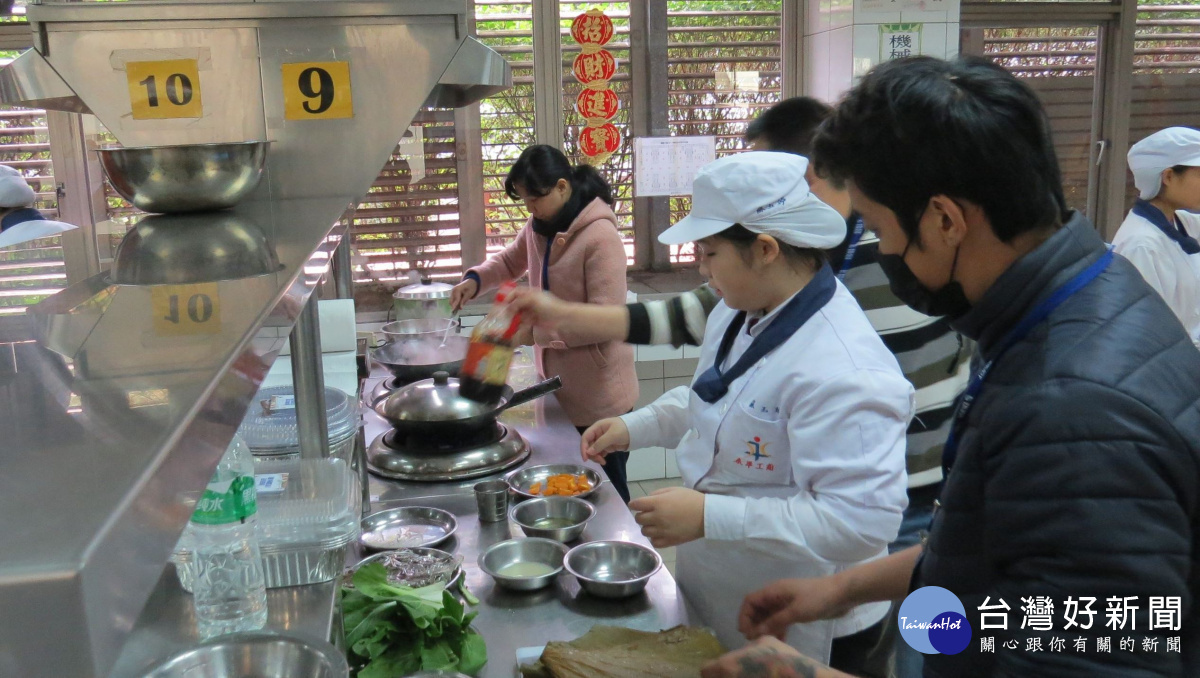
1159 151
765 192
14 190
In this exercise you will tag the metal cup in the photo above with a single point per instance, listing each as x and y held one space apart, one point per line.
492 498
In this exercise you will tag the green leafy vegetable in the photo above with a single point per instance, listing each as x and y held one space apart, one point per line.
466 593
392 630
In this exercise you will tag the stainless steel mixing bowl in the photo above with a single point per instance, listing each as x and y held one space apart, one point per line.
179 249
192 178
613 569
574 513
256 655
530 550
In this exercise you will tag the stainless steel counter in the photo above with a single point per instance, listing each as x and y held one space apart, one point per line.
168 624
509 621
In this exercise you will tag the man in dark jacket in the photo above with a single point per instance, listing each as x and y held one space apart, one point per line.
1074 465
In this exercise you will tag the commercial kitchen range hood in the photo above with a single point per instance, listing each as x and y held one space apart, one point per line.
115 414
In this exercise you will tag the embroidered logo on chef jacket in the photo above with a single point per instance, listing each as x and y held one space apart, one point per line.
757 448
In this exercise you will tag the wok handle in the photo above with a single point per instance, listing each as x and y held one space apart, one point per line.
532 393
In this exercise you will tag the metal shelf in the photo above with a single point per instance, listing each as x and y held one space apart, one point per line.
101 451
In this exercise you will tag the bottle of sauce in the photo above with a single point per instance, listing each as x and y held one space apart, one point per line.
489 355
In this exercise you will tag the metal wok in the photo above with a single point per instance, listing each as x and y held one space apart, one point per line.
408 362
434 407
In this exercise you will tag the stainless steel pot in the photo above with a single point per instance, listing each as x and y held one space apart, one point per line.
423 300
434 407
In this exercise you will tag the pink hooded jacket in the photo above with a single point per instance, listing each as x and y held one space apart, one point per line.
587 264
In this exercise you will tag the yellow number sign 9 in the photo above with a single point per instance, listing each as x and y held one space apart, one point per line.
317 90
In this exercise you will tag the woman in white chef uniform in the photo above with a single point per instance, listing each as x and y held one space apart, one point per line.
1160 234
19 221
791 437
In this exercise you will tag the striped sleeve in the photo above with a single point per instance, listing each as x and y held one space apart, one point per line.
677 321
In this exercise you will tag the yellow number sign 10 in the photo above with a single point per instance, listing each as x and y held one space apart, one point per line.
317 90
181 310
164 89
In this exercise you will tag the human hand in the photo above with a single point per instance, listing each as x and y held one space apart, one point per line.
524 335
602 437
671 516
542 309
462 293
767 658
771 610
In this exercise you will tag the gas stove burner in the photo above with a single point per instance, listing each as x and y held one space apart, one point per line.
398 441
489 451
382 389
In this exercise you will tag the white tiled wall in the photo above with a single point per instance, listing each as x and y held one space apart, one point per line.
647 464
841 41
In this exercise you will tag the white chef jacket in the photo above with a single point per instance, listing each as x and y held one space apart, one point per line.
802 462
1173 273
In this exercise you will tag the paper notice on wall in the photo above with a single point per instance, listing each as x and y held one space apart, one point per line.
412 149
899 40
736 81
667 165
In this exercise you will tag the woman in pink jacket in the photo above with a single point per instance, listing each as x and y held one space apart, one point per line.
570 247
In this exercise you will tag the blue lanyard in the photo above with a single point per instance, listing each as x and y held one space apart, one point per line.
1032 319
854 238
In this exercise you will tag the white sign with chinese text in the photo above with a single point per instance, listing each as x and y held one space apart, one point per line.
736 81
899 5
667 165
899 40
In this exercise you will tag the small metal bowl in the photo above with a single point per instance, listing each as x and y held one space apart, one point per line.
574 510
187 178
406 527
613 569
529 550
521 480
256 654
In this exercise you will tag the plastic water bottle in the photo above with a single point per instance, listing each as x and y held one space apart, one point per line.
229 589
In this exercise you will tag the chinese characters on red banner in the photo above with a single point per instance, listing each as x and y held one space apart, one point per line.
597 103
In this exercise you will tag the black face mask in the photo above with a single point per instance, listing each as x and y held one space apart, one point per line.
948 300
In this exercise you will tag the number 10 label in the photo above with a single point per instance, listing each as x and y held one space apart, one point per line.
164 89
318 90
181 310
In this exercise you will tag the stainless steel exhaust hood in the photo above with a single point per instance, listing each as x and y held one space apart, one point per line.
90 495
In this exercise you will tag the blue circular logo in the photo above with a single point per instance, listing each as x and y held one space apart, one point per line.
933 621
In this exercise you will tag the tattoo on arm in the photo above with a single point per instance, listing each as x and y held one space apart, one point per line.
768 664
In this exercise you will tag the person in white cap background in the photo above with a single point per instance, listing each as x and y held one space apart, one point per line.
1159 236
19 221
791 439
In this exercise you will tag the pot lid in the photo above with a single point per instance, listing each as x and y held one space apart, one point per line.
270 424
428 400
426 289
